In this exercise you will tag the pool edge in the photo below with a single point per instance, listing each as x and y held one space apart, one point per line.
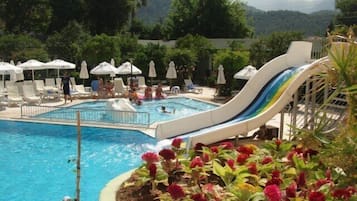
108 193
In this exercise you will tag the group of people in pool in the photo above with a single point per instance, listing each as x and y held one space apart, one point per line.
148 94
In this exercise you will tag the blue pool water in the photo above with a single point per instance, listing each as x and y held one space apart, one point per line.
182 106
36 159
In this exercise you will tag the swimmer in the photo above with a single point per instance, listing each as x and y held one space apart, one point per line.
163 110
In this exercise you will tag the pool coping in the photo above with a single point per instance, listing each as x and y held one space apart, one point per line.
109 191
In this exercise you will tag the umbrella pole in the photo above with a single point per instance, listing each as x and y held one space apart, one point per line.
33 75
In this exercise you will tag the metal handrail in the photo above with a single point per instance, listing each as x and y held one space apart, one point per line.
88 115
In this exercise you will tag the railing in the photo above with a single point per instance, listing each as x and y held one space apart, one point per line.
88 115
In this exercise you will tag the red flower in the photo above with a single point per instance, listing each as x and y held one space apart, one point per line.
167 154
196 162
153 170
310 152
245 150
291 190
242 158
344 193
230 163
272 192
176 191
275 173
214 149
316 196
252 167
227 145
275 178
177 142
198 147
150 157
206 158
278 142
321 182
267 159
301 180
199 197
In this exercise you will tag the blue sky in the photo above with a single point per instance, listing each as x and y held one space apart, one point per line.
306 6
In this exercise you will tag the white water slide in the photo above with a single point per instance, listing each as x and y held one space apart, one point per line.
263 96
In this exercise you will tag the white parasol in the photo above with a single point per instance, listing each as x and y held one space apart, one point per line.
128 68
32 65
59 64
104 68
246 73
220 77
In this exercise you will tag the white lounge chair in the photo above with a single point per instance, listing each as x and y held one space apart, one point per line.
192 88
13 95
81 92
45 92
51 85
119 88
141 82
30 95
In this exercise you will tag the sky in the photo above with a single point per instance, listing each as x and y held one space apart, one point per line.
305 6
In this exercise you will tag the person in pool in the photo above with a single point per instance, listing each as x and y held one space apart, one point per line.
163 110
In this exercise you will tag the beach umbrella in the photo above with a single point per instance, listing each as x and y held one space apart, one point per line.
220 77
104 68
171 72
246 73
32 65
59 64
112 61
128 68
9 69
83 74
152 70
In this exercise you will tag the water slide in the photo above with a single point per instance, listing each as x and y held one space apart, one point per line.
264 95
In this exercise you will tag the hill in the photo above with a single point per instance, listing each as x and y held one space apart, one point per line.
263 22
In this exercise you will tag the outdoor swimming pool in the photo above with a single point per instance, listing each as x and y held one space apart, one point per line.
37 160
182 106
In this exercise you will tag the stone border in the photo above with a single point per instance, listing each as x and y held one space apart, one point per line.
108 193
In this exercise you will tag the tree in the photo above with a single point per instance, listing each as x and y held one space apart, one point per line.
109 16
65 11
201 48
67 43
21 48
232 62
348 15
272 46
100 48
212 19
26 16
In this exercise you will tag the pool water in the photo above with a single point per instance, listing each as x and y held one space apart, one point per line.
177 108
38 160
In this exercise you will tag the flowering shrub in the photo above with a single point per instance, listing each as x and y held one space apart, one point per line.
277 171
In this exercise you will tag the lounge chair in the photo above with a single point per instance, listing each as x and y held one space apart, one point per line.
45 92
141 82
192 88
50 85
13 95
119 88
81 92
30 95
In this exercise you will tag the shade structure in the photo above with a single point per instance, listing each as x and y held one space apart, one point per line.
128 68
104 68
152 70
59 64
83 74
32 65
220 77
171 71
246 73
12 70
112 61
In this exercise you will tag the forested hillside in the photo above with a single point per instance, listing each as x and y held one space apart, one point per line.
264 23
